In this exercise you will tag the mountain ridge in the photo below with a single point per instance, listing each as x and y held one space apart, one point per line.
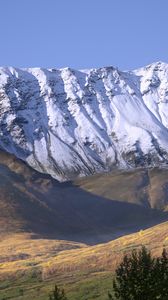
70 123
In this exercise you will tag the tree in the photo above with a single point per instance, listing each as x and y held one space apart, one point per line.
141 277
161 277
57 294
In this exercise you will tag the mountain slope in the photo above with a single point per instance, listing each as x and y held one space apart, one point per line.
34 265
70 123
91 210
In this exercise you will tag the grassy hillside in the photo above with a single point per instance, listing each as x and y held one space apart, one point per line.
145 187
74 234
84 271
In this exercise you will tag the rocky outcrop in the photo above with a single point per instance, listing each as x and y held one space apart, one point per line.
70 123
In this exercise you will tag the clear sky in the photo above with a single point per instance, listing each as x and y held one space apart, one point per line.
83 33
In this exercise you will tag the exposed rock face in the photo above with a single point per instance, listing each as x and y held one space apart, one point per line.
70 123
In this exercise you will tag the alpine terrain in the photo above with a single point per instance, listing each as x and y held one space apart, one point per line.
70 123
83 176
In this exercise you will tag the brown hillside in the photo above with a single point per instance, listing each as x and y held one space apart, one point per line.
92 209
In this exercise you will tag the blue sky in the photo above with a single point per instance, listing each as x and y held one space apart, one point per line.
83 33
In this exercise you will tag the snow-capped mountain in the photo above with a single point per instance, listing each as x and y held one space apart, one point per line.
70 123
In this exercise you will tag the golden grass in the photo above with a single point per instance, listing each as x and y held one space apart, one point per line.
21 252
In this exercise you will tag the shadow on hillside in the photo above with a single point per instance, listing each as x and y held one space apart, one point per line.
36 203
80 216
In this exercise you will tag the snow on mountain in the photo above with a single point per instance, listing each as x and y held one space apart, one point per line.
70 123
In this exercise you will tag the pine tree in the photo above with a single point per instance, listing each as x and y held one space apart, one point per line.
57 294
141 277
161 276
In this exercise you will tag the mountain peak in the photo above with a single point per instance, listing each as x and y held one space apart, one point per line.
70 123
